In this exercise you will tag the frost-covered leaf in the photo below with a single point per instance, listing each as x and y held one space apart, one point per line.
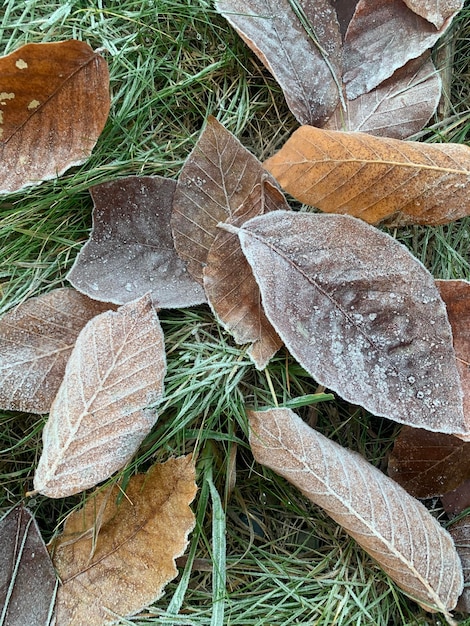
374 178
27 578
393 527
456 501
131 251
300 44
435 11
460 532
54 102
117 553
359 313
36 339
99 417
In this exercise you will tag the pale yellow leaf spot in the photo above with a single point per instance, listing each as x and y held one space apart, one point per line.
22 159
33 104
21 64
1 133
1 117
4 96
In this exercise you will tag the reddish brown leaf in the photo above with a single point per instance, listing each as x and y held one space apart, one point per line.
97 420
359 313
457 500
36 339
394 528
117 553
460 532
302 52
54 102
374 178
130 251
27 578
344 11
435 11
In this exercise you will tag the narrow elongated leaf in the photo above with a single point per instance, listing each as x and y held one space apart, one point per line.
435 11
36 339
130 251
98 418
359 313
300 44
394 528
117 553
374 178
54 102
27 578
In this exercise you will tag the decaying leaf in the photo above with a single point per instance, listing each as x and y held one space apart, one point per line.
359 313
374 178
116 554
231 289
54 102
99 418
28 581
398 107
435 11
393 527
36 339
130 251
300 44
456 501
460 532
428 464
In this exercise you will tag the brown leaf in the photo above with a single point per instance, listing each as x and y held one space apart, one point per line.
36 339
302 52
97 420
54 102
116 554
216 179
435 11
130 251
460 532
344 11
456 501
359 313
428 464
394 528
398 107
374 178
231 289
28 581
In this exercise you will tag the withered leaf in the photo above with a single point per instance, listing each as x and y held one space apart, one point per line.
460 532
54 102
428 464
300 44
344 12
28 581
36 339
435 11
231 289
131 251
216 179
359 313
117 553
398 107
374 178
393 527
457 500
98 418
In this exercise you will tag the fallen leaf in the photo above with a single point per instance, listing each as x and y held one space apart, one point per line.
456 501
435 11
394 528
428 464
36 339
131 251
216 179
300 44
54 102
359 313
231 289
97 420
28 581
398 107
117 553
344 12
460 532
374 178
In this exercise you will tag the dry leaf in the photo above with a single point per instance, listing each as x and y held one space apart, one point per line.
116 554
344 12
36 339
54 102
460 532
456 501
27 578
97 419
428 464
300 44
216 179
374 178
394 528
435 11
130 251
359 313
398 107
231 289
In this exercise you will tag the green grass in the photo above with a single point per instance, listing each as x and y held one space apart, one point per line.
281 561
